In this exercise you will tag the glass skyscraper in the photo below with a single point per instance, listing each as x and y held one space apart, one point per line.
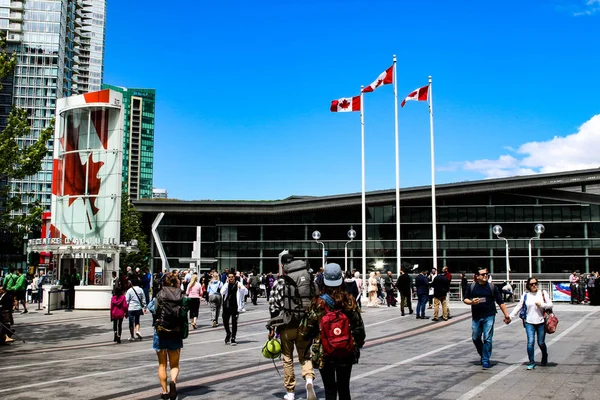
138 140
60 52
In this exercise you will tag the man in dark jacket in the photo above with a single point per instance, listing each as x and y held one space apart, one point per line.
405 286
388 283
422 285
440 286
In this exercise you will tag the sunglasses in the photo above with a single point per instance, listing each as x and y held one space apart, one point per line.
533 283
485 274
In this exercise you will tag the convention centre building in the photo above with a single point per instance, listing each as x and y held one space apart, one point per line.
249 235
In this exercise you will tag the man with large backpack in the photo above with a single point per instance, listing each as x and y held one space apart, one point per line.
290 298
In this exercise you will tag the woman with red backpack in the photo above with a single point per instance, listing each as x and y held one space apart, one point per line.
335 326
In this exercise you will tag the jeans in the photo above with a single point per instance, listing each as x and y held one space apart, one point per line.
336 380
215 306
531 330
484 327
234 322
421 303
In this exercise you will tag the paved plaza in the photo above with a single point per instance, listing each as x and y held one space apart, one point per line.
70 355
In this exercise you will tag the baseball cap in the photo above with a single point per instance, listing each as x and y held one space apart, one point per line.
332 276
287 258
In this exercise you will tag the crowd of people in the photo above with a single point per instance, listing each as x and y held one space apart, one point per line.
305 307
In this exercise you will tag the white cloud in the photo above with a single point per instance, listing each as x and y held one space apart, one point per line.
590 7
571 152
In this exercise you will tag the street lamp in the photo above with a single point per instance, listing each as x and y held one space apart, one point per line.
317 235
351 235
497 229
539 229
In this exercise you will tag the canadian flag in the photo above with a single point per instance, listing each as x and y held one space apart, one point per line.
385 78
346 104
417 95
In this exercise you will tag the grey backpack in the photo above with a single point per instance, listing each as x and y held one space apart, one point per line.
298 291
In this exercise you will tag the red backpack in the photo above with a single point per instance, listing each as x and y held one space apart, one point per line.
336 337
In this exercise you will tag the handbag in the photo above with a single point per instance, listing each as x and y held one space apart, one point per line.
523 312
550 319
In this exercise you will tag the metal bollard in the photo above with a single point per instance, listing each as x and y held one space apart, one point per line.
49 302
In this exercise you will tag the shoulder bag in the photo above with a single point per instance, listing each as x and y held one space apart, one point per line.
550 319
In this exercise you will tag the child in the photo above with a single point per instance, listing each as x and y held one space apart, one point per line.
118 311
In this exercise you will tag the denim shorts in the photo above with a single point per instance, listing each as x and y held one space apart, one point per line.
159 344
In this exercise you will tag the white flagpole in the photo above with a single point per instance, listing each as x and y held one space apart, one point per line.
363 203
433 217
398 256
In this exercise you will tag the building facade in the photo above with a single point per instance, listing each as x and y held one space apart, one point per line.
160 193
251 234
138 146
60 52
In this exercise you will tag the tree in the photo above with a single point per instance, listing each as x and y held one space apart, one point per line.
131 228
17 162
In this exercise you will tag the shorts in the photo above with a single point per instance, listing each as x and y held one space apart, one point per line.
159 344
20 294
134 317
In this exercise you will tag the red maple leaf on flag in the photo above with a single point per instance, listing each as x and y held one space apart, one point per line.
344 104
76 171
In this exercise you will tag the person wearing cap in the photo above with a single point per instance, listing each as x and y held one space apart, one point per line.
335 371
287 321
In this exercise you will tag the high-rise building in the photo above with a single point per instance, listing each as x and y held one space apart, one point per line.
60 52
138 140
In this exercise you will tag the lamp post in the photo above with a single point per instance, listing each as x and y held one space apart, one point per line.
539 229
317 235
351 235
497 229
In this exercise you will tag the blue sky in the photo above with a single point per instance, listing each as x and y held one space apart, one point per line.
244 88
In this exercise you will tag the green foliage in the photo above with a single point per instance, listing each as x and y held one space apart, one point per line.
131 228
17 163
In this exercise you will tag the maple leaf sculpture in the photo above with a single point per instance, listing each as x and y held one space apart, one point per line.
344 104
75 171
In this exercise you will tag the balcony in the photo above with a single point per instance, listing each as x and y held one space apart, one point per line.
15 27
15 16
13 37
16 5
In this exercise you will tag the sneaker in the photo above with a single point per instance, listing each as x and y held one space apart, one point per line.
485 365
131 339
310 391
233 342
424 317
118 339
227 339
544 361
25 312
172 390
402 315
139 335
530 366
289 396
410 311
434 320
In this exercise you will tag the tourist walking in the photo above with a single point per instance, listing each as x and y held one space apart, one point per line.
118 311
136 304
483 296
372 289
532 307
170 328
332 316
194 294
233 293
422 288
291 296
405 288
215 299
